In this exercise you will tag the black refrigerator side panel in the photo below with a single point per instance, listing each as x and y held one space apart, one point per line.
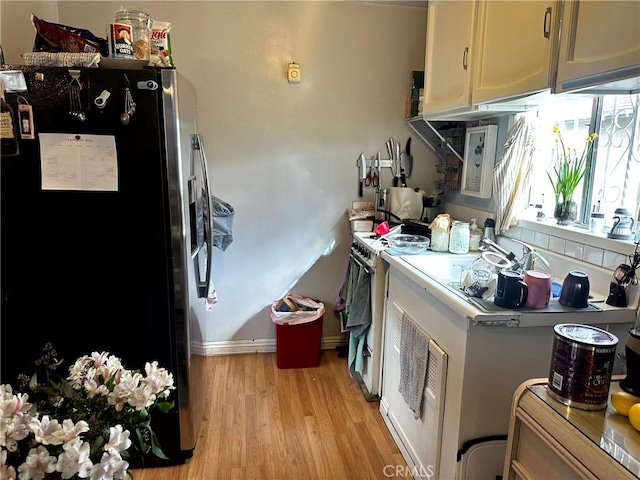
89 270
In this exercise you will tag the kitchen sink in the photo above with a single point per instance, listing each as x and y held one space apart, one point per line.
445 268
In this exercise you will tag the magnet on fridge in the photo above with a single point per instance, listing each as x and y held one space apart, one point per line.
25 119
147 85
101 100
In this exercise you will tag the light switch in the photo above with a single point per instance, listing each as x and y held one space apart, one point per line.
293 73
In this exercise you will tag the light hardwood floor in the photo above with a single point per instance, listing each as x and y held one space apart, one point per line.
266 423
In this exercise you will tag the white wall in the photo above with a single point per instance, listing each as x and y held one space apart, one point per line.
283 155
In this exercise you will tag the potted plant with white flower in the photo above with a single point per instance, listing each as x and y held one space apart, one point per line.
80 426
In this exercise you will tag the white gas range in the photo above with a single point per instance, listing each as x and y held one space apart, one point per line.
365 250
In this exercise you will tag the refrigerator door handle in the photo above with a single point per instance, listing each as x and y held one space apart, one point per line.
203 285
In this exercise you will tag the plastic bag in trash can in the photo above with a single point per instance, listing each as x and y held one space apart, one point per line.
295 309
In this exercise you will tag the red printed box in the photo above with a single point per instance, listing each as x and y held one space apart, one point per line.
120 40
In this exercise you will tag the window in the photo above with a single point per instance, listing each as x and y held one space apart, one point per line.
613 177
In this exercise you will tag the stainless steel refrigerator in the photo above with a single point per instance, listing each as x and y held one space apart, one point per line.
105 231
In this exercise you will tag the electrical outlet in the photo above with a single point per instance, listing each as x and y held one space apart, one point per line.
293 73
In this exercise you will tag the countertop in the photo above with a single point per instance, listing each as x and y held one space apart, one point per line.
609 430
598 313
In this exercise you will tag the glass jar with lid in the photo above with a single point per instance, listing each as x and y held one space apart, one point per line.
140 23
459 237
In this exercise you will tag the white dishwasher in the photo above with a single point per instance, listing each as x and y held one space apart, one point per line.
418 439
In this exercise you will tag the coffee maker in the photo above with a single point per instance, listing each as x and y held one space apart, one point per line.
623 276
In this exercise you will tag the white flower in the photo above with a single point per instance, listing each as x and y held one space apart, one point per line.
38 463
111 467
16 429
105 390
159 379
47 431
7 472
118 439
142 397
75 459
14 418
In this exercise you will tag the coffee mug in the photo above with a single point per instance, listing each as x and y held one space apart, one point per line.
575 290
539 284
511 291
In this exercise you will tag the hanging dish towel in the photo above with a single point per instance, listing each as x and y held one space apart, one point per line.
359 316
414 357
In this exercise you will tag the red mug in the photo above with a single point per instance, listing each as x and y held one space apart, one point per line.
539 284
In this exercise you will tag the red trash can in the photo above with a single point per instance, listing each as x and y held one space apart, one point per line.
298 334
299 346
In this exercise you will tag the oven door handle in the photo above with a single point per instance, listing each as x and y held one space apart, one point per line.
366 267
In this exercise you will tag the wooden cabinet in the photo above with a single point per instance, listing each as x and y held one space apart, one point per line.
514 47
450 28
600 42
482 51
548 440
485 58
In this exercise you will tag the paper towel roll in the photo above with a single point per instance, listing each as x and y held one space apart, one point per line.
404 202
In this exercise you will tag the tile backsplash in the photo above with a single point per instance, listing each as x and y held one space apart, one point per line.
569 242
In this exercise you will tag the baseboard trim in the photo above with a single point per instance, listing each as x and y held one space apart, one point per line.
238 347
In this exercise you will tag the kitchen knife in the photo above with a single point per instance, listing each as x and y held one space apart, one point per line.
407 164
403 180
398 164
362 173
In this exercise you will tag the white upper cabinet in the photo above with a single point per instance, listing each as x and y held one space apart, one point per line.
447 81
514 49
488 57
600 43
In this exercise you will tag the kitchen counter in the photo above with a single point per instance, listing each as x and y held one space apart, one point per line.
481 358
479 311
604 443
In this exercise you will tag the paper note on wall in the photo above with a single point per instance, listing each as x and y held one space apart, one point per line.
78 162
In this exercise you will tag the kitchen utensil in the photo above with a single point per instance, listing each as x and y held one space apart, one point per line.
618 286
371 180
539 284
75 102
383 228
362 173
476 279
575 290
129 104
407 161
489 229
404 244
622 225
397 161
511 291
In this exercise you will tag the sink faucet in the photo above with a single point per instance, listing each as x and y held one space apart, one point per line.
526 262
528 255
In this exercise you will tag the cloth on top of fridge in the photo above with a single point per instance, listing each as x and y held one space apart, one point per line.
359 314
222 215
414 357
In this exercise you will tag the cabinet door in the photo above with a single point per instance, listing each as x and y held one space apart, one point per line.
448 55
600 42
514 49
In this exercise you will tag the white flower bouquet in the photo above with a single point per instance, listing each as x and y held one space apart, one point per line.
80 426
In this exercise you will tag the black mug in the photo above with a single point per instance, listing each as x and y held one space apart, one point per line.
511 291
575 290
